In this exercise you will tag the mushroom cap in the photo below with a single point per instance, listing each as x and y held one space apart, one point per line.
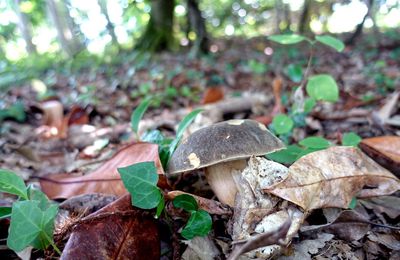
222 142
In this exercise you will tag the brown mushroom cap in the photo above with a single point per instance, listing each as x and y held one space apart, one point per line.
222 142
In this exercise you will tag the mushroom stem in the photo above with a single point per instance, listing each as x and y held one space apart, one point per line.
220 178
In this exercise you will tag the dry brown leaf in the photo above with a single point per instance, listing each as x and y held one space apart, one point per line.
384 204
348 225
385 150
104 179
117 231
212 95
332 177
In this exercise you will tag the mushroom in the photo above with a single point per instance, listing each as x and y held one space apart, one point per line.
222 149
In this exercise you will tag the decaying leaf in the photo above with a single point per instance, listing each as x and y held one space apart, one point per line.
104 179
332 177
348 225
212 95
384 204
385 150
117 231
200 248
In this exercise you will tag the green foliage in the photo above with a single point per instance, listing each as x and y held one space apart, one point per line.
12 183
31 225
288 155
5 212
32 217
199 223
185 202
140 180
353 203
315 142
257 67
287 39
294 72
137 115
15 111
323 87
294 152
282 124
186 121
331 42
351 139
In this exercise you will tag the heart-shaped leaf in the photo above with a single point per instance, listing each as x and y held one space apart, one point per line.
323 87
140 180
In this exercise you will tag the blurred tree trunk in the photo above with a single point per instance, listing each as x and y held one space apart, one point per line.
158 35
359 28
24 27
282 17
197 24
304 23
62 21
110 26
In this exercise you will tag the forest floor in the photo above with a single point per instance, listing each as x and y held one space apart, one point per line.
38 141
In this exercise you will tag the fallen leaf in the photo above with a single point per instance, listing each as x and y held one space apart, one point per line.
104 179
348 225
332 177
212 95
384 204
385 150
308 248
387 240
201 248
117 231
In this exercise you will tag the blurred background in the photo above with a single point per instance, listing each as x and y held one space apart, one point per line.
49 39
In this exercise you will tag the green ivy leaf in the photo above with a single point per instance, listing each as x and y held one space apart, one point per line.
138 113
5 212
185 202
140 180
351 139
309 104
199 224
31 226
186 121
330 41
12 183
295 72
323 87
282 124
38 195
287 39
315 142
287 156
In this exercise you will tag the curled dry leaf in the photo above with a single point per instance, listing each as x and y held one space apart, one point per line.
385 150
104 179
332 177
117 231
212 95
384 204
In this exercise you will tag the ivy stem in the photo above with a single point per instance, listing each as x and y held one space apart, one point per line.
53 244
303 82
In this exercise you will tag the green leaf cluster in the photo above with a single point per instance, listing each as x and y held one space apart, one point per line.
199 223
166 146
32 216
327 40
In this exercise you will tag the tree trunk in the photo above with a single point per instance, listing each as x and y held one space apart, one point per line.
24 27
65 34
304 23
109 25
158 35
197 24
351 40
278 15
